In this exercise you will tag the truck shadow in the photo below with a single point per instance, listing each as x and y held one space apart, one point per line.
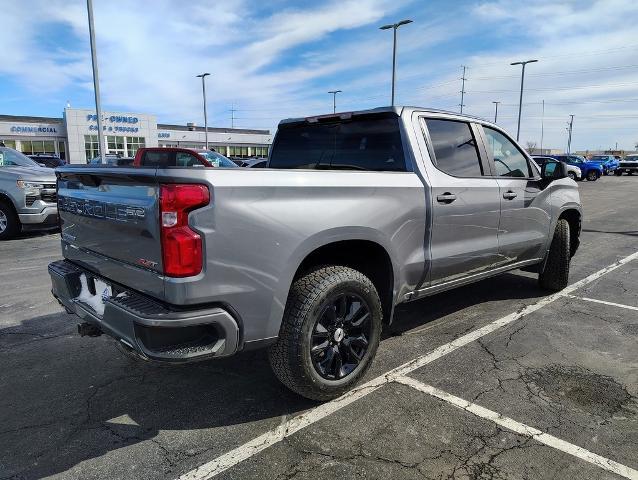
66 400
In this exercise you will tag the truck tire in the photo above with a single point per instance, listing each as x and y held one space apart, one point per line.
555 274
572 175
9 223
329 333
618 173
592 175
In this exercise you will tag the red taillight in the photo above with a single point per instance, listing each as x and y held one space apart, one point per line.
181 247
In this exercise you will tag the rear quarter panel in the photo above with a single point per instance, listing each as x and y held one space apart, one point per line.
261 224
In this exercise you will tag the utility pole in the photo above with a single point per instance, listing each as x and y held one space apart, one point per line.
520 102
232 116
96 83
203 77
542 126
463 88
394 27
569 137
334 99
495 110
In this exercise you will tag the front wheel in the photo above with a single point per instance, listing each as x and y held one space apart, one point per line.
329 333
592 175
571 175
9 222
555 274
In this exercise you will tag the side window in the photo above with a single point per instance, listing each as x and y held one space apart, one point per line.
154 158
183 159
454 148
508 159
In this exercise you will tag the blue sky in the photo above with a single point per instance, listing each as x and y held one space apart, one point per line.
276 59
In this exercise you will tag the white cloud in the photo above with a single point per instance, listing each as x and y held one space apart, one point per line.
282 62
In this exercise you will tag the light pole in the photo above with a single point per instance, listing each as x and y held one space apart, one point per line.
96 82
569 137
334 99
495 110
394 27
520 102
203 77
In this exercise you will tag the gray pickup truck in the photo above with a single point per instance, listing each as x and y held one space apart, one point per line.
27 194
357 213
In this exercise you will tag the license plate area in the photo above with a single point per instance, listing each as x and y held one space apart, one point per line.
93 293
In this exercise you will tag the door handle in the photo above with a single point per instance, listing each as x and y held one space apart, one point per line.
447 197
509 195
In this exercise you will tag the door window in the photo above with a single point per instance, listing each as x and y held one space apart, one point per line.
183 159
454 147
508 159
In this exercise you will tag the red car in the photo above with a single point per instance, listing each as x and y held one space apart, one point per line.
180 157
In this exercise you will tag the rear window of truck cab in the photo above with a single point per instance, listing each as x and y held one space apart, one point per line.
362 143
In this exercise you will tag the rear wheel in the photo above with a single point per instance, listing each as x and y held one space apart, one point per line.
618 173
9 223
555 274
329 334
592 175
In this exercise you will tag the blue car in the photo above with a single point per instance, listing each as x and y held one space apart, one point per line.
592 171
608 162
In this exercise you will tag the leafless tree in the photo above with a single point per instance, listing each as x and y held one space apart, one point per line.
531 147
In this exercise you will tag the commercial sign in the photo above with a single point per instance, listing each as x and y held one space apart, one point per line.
32 129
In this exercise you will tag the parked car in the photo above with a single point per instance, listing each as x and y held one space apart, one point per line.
628 165
113 160
47 160
28 198
573 172
592 171
180 157
255 163
608 162
399 203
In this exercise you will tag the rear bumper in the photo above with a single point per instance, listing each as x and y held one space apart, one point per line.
153 330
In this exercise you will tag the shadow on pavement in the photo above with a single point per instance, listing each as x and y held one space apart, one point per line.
67 399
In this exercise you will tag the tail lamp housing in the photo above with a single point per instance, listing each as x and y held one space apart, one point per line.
182 253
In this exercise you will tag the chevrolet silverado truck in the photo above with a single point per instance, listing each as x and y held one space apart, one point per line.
356 213
27 194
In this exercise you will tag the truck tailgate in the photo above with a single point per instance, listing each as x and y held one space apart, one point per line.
109 217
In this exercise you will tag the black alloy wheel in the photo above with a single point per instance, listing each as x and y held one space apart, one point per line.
592 175
340 336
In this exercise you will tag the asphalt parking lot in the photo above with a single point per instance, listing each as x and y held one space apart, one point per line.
494 380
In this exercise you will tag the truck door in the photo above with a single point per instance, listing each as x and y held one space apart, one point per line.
465 201
524 197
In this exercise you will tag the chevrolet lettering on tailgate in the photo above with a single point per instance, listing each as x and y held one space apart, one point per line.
97 209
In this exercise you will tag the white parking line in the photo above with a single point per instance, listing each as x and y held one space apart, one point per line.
604 302
293 425
523 429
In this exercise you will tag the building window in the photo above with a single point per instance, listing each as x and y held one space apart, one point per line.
91 147
30 147
261 151
237 151
133 144
221 149
115 145
9 143
62 149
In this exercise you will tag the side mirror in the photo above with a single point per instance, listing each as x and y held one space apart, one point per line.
551 171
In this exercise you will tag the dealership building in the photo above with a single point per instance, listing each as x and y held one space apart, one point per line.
74 136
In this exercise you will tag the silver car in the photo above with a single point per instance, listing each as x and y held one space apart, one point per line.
357 213
28 197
